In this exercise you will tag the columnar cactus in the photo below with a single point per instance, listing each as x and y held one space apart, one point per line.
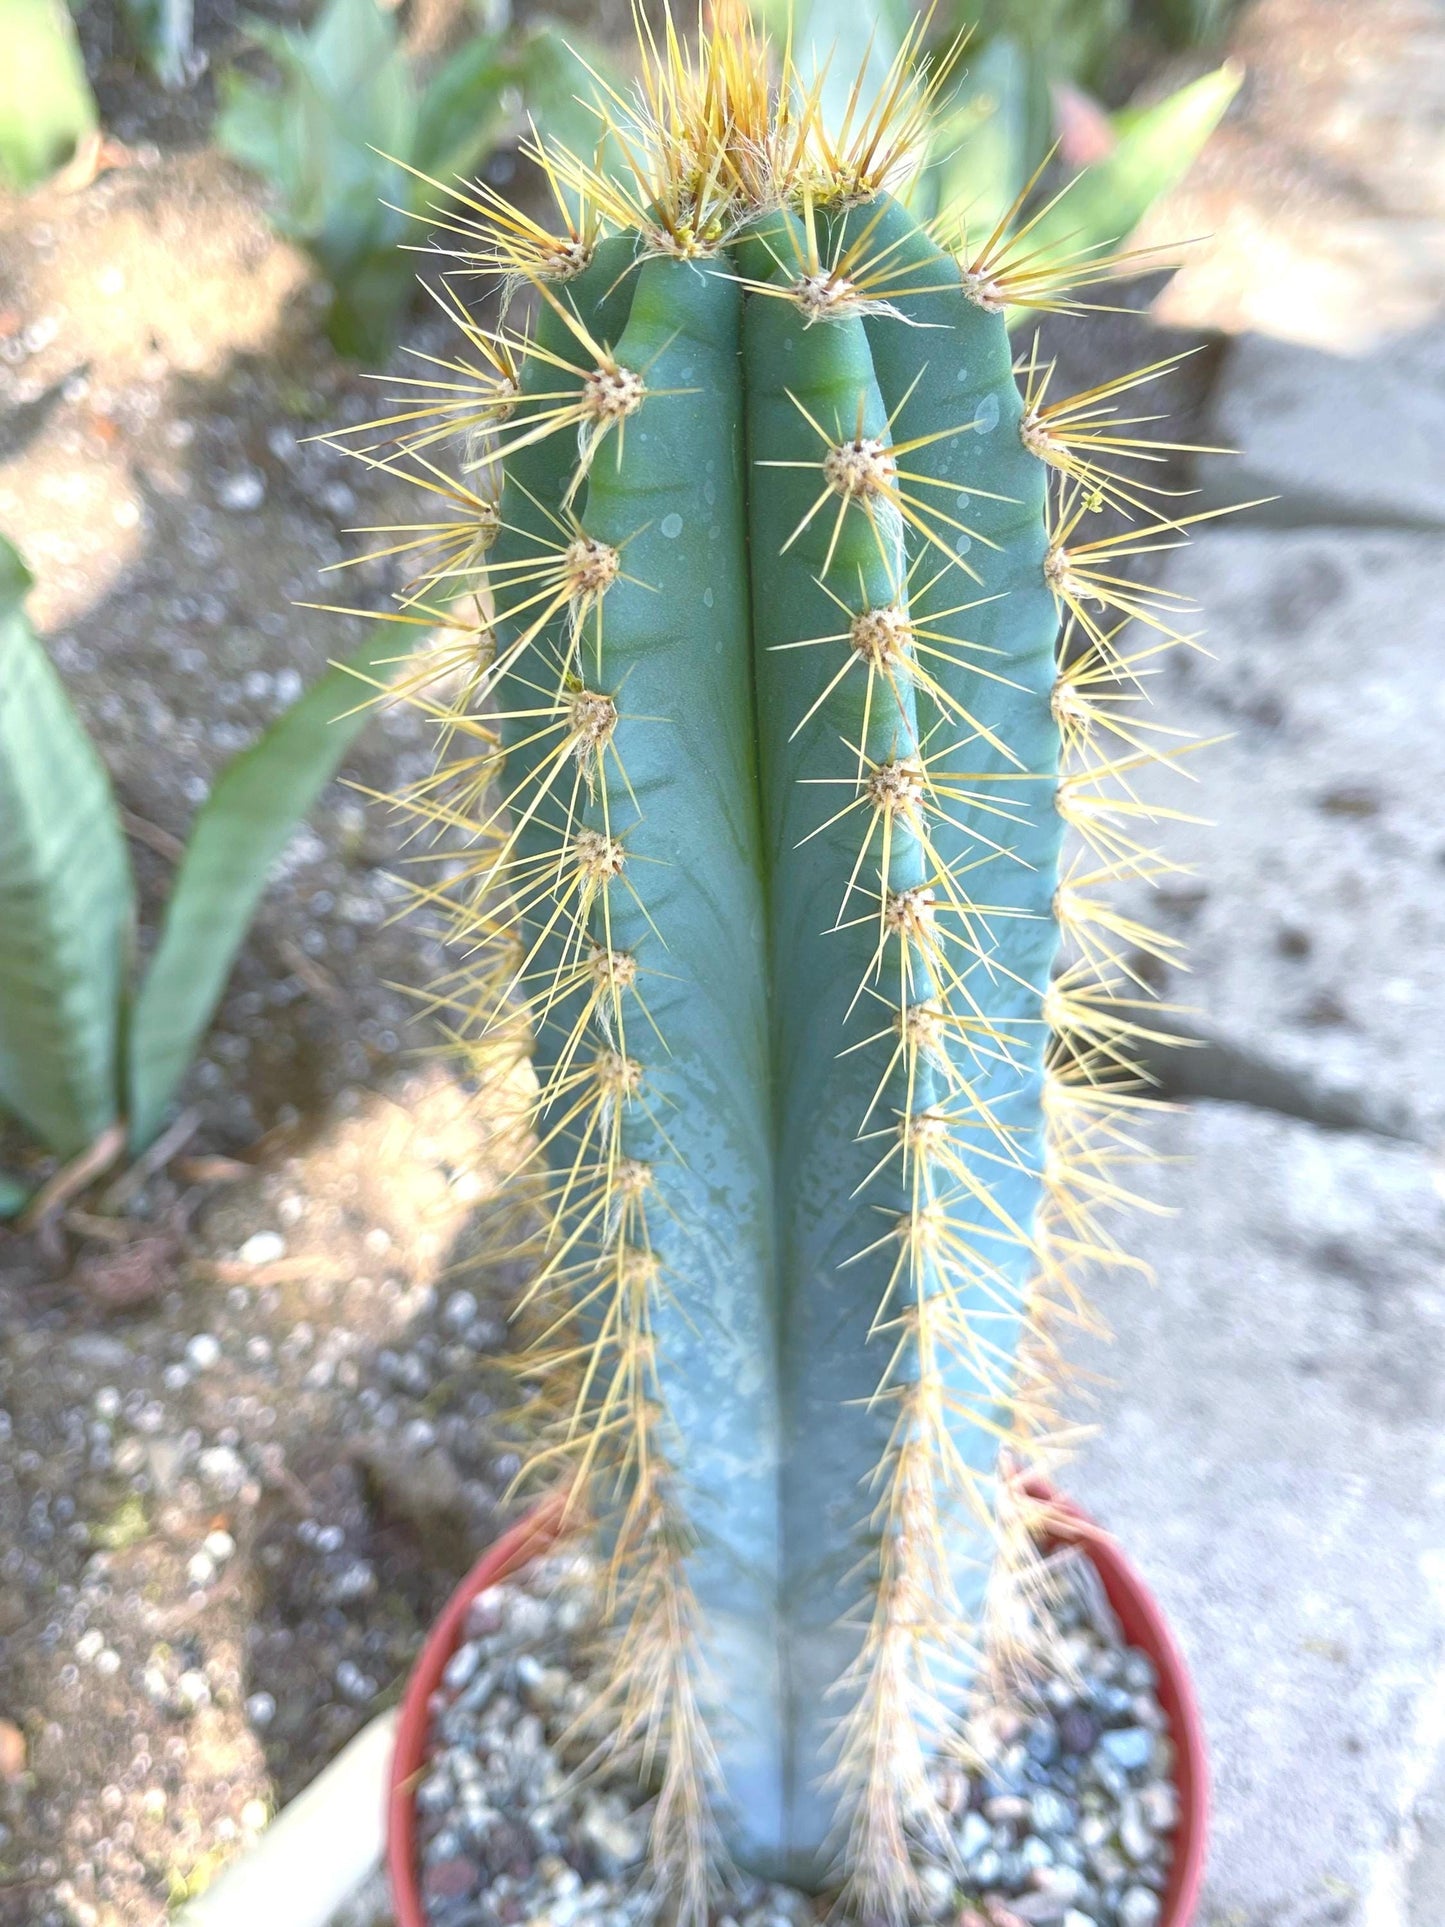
765 754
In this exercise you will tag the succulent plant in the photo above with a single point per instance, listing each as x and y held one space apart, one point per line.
762 743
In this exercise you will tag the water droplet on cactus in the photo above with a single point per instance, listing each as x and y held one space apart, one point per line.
671 526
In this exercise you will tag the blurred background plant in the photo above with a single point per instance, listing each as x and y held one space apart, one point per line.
1041 81
352 139
86 1049
163 35
47 110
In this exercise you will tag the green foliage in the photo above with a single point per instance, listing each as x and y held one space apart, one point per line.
80 1045
996 124
66 906
1154 148
162 33
238 834
346 135
1190 23
46 106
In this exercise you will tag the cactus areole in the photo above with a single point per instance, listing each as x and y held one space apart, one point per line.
762 758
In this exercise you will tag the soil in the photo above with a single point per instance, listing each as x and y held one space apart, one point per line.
253 1424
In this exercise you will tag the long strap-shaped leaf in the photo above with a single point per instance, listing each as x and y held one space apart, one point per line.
66 902
239 832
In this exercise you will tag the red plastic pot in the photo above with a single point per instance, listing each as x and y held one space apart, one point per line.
1139 1615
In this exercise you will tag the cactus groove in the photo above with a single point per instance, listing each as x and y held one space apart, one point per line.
763 757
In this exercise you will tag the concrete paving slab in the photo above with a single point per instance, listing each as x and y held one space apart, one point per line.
1336 438
1313 916
1273 1454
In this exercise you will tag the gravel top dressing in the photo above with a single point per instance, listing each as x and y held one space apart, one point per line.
1071 1826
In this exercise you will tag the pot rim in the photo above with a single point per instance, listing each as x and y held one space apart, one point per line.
1139 1613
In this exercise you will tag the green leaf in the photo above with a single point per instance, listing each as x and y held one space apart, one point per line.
462 116
239 833
46 106
558 76
979 152
162 31
329 140
66 903
14 1196
1156 147
367 304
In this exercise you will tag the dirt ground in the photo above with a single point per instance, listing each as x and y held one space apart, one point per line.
252 1430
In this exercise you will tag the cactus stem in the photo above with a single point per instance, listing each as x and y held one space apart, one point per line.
686 1202
863 470
600 398
851 280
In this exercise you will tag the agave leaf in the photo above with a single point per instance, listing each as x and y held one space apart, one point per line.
1154 149
239 832
162 31
14 1196
66 901
558 73
46 106
346 102
979 149
462 114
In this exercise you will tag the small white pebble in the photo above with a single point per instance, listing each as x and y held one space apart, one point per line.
262 1248
461 1666
201 1569
254 1815
203 1351
459 1310
88 1645
220 1545
260 1709
193 1689
153 1804
244 490
107 1662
